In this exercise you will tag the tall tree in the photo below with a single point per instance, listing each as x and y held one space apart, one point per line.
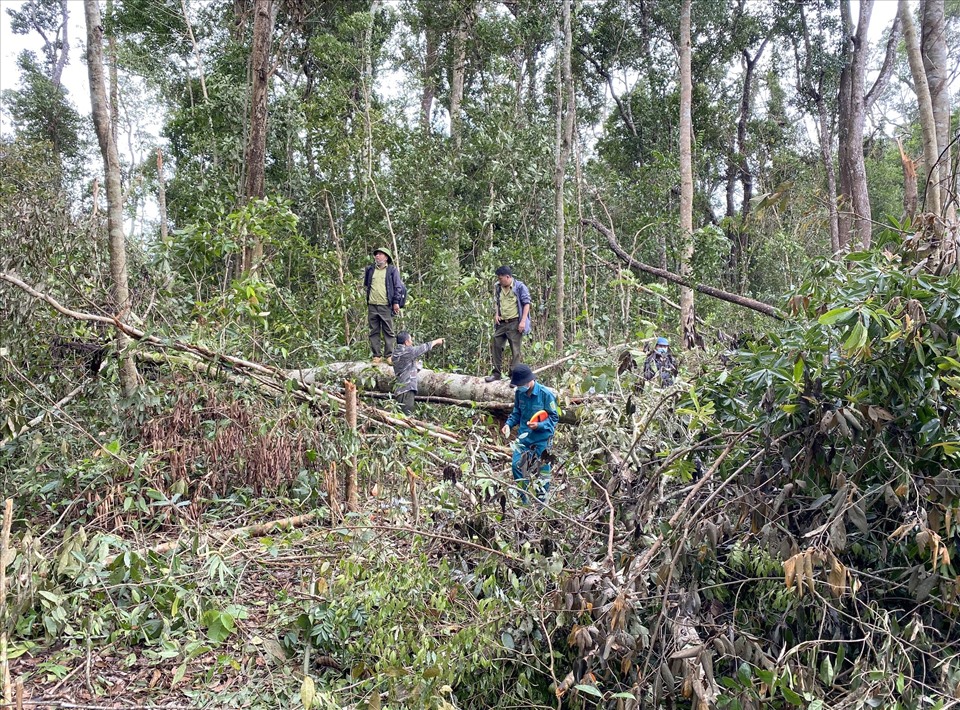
49 19
688 323
564 138
739 166
924 100
464 26
111 165
815 84
855 102
256 150
430 60
933 48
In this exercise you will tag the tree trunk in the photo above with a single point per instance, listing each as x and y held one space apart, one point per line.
256 150
114 84
564 138
688 324
439 387
933 49
162 198
826 155
111 164
741 166
927 121
429 70
430 383
64 53
461 34
196 52
825 127
909 183
856 219
855 216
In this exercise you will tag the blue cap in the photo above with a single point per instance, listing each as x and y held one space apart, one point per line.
663 341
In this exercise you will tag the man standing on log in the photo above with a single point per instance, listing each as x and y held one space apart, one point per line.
386 295
535 413
406 367
511 315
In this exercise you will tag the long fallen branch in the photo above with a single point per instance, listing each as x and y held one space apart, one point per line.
226 535
43 415
272 377
754 305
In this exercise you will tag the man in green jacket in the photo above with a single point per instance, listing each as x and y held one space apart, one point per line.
386 295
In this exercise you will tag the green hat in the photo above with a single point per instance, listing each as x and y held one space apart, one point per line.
387 252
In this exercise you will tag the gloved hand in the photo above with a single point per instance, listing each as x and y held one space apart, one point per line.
505 431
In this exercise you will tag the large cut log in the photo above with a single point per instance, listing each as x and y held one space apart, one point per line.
379 377
439 387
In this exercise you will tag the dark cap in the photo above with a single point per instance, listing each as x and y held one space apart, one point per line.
520 376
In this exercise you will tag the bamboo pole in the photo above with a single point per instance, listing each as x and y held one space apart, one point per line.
350 392
4 608
226 536
414 503
333 502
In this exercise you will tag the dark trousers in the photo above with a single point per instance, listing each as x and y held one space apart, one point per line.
505 332
407 401
380 318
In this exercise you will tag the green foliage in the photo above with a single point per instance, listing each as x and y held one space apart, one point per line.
40 111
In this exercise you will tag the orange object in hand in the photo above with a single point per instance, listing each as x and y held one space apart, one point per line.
540 416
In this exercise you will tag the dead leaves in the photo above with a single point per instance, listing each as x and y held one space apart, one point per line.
927 540
802 571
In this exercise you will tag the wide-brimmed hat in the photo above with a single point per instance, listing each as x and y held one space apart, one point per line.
520 376
386 252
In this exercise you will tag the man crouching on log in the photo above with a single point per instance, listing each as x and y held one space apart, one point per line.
406 367
535 411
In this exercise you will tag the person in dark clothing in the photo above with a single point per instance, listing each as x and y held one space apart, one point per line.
660 365
511 314
536 415
406 367
386 295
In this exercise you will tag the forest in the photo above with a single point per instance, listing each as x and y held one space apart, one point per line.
716 239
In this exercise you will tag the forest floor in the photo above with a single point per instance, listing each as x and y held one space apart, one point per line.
263 584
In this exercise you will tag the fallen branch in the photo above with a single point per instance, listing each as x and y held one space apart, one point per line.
570 414
4 608
299 520
271 377
227 535
43 415
552 365
758 306
77 706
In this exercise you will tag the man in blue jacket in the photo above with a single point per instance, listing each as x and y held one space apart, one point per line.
535 413
511 315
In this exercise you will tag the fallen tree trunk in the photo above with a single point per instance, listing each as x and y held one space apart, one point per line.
436 387
379 377
758 306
